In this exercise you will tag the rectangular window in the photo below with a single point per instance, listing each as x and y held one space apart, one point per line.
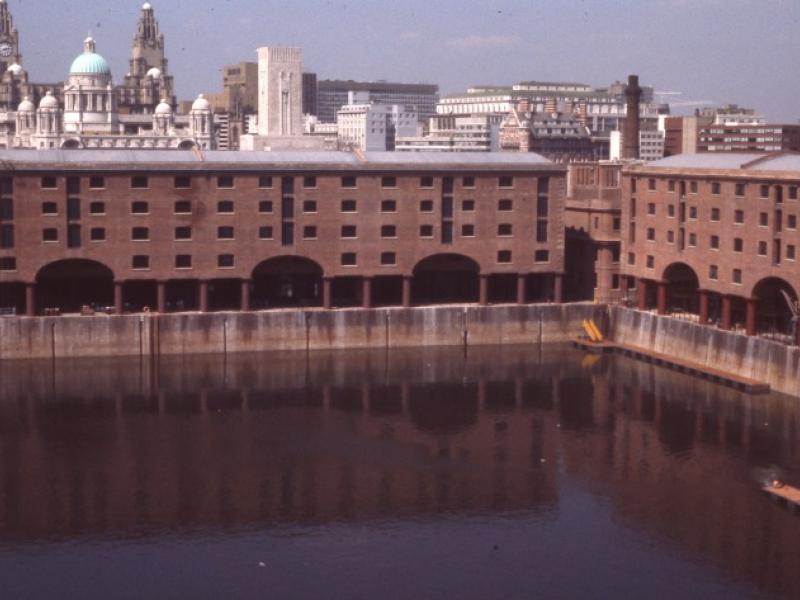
97 234
139 182
182 182
715 214
349 181
8 263
388 206
73 185
265 182
762 248
97 208
97 183
225 207
348 206
468 181
633 185
542 207
388 259
616 223
468 205
738 245
739 189
736 276
505 205
49 208
309 181
348 231
265 232
693 212
671 236
651 262
73 235
73 209
426 231
140 234
447 185
692 187
671 210
309 206
713 272
140 262
716 188
49 183
50 234
505 181
504 229
738 217
265 206
692 240
6 236
791 221
225 261
504 256
426 182
140 208
389 181
468 230
309 232
790 252
541 256
671 185
225 232
447 207
764 191
388 231
183 207
714 242
225 182
651 208
6 209
541 231
447 232
792 192
651 185
631 258
426 206
183 261
287 186
349 259
183 233
651 234
763 219
287 207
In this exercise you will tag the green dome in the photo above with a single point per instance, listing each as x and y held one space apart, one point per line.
90 64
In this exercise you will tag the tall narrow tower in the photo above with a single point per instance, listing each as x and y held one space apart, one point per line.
148 81
633 97
9 39
280 92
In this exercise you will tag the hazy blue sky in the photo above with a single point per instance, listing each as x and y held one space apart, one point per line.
743 51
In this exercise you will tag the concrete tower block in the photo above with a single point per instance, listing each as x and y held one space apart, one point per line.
280 92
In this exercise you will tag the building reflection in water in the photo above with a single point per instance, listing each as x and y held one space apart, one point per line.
117 449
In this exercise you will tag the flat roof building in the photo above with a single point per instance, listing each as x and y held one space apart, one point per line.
333 94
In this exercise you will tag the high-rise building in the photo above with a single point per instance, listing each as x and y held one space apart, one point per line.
310 94
280 92
333 94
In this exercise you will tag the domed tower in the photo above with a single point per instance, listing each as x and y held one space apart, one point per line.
48 123
148 80
201 123
163 119
26 123
89 100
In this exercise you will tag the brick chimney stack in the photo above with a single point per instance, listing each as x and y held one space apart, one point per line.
633 96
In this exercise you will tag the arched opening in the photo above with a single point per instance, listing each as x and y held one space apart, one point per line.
71 284
138 295
445 278
287 281
186 145
682 289
776 303
71 144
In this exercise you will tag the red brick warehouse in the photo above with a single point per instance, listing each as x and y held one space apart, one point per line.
175 231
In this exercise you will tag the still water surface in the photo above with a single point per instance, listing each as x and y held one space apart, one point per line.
506 473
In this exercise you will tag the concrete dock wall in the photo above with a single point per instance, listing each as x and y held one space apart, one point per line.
316 329
751 357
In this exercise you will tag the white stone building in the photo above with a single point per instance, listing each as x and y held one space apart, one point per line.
374 127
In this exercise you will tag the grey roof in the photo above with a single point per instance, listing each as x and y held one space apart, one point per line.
729 161
190 160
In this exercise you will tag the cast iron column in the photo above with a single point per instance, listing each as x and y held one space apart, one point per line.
327 301
703 307
483 295
366 292
406 291
726 313
202 300
245 304
662 297
117 297
161 297
558 287
521 296
641 294
30 299
750 321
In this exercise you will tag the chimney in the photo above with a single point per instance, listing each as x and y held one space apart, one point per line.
630 135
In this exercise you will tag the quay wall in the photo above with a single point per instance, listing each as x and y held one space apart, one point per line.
312 329
752 357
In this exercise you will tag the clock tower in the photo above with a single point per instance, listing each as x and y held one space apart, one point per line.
148 79
9 39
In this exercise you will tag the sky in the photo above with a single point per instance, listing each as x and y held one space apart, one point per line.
719 51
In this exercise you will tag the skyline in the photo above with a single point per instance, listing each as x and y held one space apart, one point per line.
452 44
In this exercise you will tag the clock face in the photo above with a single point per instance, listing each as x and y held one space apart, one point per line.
6 49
